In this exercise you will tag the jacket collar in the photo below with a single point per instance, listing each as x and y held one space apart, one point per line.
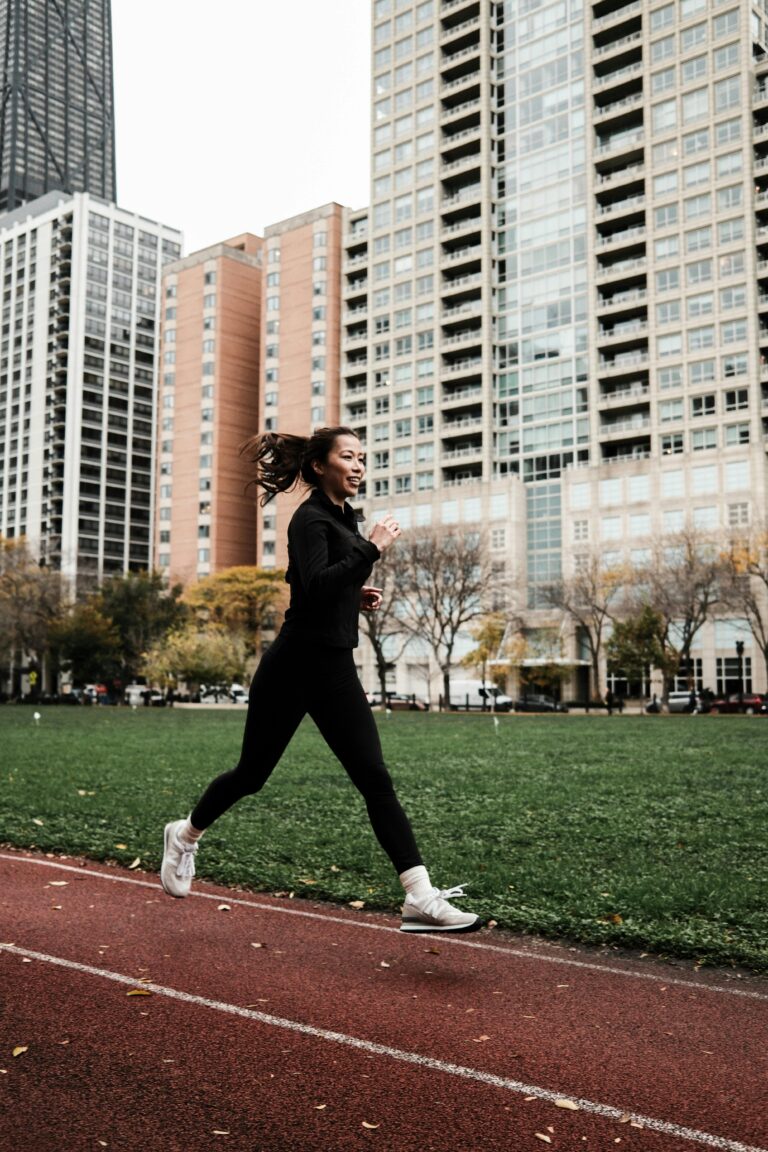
347 514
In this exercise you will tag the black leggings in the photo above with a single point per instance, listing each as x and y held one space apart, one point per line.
294 679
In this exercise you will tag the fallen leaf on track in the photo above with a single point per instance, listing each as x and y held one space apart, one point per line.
384 964
58 883
567 1104
139 992
320 1107
480 1039
258 945
20 1048
357 903
541 1136
221 1132
224 908
135 863
367 1125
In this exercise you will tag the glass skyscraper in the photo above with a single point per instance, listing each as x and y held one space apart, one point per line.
57 121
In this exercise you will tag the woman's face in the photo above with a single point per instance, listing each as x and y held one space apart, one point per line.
343 470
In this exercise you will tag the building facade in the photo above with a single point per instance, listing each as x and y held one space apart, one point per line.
554 308
57 120
208 405
301 322
78 357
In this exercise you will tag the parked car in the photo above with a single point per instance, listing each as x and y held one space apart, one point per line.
238 694
681 702
398 702
536 703
748 703
476 694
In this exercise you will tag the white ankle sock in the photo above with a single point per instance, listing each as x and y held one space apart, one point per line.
416 881
189 833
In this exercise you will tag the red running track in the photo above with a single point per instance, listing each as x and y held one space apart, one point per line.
271 1025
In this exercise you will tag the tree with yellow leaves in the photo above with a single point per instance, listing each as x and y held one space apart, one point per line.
245 599
745 584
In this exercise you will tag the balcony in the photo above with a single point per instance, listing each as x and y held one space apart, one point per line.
628 332
623 300
618 107
466 452
629 204
623 44
461 283
617 15
461 396
471 336
625 394
621 268
622 237
457 427
457 110
628 427
470 25
469 366
622 364
467 255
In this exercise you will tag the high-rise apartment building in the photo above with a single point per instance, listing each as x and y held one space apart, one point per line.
57 121
208 406
554 316
78 349
301 318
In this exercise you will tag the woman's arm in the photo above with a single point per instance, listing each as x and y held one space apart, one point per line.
318 576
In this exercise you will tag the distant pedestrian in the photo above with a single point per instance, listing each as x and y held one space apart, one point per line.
692 702
609 698
309 669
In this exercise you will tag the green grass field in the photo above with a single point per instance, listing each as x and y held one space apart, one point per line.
645 832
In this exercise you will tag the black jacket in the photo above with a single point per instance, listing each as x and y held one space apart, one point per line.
328 564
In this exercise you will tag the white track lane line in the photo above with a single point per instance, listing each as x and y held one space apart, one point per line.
606 1111
445 938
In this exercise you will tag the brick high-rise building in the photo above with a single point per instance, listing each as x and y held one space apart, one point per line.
209 393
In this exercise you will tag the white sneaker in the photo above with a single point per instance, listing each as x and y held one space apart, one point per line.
433 913
178 866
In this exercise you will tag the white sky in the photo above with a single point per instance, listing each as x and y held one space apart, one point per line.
237 114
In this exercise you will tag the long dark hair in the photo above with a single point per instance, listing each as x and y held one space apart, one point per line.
281 461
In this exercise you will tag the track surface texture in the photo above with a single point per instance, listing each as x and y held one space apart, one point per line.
231 1020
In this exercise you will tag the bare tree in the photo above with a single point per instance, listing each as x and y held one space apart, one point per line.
745 584
447 580
591 598
385 628
682 585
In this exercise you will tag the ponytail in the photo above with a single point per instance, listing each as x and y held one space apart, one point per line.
281 461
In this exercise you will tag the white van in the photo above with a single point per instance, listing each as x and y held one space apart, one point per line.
478 694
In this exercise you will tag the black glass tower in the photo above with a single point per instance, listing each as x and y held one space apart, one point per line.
57 120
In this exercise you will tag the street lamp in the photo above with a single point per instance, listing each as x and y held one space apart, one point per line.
740 657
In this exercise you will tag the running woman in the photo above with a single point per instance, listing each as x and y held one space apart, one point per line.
309 669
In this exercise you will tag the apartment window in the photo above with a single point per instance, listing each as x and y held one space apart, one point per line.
731 298
402 484
691 37
664 115
701 338
273 256
699 272
206 439
703 405
667 279
729 164
318 388
203 555
734 332
270 399
700 305
425 481
273 279
381 487
726 25
381 405
738 515
698 206
697 142
670 410
661 81
425 424
402 428
209 323
662 49
671 345
662 17
667 313
727 57
695 105
580 530
665 216
672 444
701 372
670 378
698 239
736 399
273 303
209 300
729 231
697 174
703 439
728 131
665 184
727 93
734 365
694 69
732 265
669 246
736 434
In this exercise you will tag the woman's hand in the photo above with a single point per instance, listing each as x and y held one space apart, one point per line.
385 532
370 599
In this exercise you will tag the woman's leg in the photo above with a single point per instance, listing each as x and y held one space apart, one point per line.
343 715
275 709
